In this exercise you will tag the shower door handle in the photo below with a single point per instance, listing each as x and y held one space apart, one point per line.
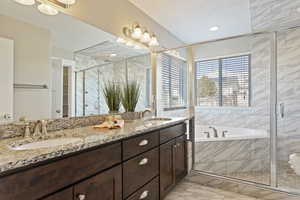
282 110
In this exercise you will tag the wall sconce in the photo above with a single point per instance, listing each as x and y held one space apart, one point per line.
48 7
138 37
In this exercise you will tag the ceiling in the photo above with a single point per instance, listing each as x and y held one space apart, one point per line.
190 20
67 33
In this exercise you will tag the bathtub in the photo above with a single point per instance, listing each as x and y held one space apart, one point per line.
232 134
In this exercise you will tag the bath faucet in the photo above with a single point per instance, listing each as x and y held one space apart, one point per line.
215 131
224 133
207 134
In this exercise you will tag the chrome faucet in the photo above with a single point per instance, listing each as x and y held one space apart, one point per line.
145 111
207 134
224 133
215 131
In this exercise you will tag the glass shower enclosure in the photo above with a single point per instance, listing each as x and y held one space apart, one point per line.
246 107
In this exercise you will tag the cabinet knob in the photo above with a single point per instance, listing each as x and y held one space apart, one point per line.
81 197
143 143
144 195
144 161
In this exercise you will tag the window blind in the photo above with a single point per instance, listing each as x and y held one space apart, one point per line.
223 82
174 78
207 76
235 81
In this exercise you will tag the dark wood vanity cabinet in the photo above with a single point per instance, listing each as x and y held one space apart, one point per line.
145 167
173 164
104 186
66 194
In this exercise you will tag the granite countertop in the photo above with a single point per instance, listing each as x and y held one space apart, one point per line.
89 137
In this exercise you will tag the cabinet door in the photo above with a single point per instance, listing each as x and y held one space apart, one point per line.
104 186
167 168
63 195
180 158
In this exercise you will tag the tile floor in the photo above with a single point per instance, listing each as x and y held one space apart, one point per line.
187 190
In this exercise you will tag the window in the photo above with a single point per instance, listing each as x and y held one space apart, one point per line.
174 82
224 82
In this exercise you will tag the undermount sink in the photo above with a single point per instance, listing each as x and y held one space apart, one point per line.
159 119
45 143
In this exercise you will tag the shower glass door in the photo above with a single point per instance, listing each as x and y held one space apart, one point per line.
232 115
288 119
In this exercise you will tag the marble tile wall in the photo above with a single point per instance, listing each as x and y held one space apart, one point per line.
229 157
274 14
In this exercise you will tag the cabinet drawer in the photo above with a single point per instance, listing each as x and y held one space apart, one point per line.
40 181
105 186
140 144
148 192
172 132
140 170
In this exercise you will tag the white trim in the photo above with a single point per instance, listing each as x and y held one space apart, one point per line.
227 56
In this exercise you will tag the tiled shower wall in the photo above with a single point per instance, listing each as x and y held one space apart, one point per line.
278 14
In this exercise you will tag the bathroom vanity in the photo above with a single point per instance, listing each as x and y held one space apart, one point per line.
145 165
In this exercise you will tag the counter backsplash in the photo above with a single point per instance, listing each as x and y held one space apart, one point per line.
16 129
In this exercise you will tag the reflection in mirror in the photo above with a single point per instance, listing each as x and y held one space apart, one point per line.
55 66
106 62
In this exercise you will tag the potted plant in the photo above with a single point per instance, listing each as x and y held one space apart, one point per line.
130 97
112 95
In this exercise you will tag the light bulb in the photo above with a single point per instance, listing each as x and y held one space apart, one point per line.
112 55
146 37
137 32
26 2
68 2
153 41
47 9
121 40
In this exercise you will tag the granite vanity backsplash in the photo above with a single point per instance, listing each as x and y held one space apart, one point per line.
17 129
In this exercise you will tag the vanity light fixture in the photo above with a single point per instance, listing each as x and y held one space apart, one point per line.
48 7
136 32
26 2
138 37
153 42
146 37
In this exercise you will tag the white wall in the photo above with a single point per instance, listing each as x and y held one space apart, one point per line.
32 51
111 16
6 78
222 48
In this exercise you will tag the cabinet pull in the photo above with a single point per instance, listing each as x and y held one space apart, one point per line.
143 143
144 161
144 195
81 197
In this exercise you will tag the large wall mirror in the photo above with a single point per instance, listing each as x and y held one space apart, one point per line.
56 66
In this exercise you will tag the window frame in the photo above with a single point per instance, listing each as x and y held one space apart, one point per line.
221 79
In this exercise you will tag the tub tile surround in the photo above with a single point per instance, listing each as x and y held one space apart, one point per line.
90 137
